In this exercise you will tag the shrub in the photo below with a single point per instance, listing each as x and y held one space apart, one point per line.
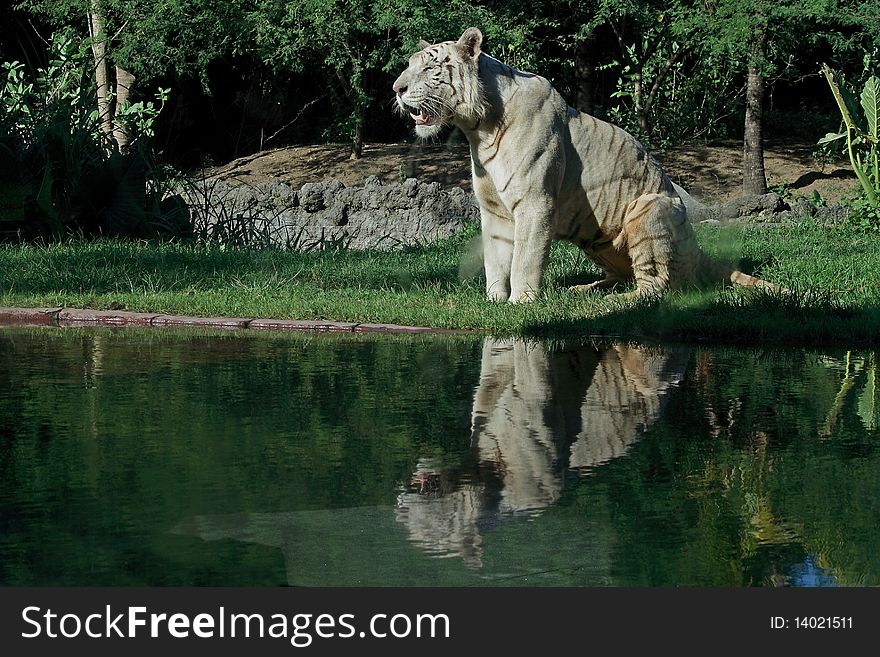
74 180
860 130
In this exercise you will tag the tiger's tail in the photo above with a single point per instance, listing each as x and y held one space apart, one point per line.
727 274
717 271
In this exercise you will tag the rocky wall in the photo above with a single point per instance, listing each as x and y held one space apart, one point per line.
328 214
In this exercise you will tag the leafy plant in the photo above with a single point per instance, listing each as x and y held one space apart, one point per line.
75 182
864 214
781 189
861 130
140 117
817 200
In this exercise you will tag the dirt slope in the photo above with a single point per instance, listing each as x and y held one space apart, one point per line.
711 173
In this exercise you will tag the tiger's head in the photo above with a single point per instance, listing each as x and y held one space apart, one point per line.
441 84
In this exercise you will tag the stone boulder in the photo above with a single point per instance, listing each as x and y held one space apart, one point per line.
741 208
328 214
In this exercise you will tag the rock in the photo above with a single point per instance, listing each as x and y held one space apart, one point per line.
750 206
704 214
831 214
803 208
729 210
411 187
743 207
785 217
329 215
311 197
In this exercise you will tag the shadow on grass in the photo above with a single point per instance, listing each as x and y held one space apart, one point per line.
732 316
577 278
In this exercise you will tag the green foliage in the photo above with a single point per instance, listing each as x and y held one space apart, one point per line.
864 214
692 102
357 45
669 71
27 102
140 117
340 39
767 34
76 182
861 132
155 39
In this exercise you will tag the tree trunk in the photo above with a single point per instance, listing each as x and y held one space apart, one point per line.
102 72
585 76
357 142
124 83
754 178
645 122
637 97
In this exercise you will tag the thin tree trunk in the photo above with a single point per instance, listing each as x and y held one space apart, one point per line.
637 65
585 76
124 83
754 178
645 113
102 72
357 142
638 92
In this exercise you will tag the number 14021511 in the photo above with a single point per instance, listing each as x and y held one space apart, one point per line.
812 622
823 622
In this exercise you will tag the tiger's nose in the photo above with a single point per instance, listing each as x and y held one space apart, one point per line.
399 86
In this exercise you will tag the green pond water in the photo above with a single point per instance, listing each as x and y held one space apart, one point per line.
178 458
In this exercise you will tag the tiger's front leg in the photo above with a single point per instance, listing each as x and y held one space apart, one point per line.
532 237
497 235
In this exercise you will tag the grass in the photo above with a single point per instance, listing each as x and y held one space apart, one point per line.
832 270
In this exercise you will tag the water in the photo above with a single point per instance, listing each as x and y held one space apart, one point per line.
172 458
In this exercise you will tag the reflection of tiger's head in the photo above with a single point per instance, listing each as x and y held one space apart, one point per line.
441 84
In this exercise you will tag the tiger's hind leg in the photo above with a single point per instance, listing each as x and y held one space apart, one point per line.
660 243
611 280
616 265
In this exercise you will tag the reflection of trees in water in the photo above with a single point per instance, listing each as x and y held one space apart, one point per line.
538 414
739 476
757 412
859 377
735 487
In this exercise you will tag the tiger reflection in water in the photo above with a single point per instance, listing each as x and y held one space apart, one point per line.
538 414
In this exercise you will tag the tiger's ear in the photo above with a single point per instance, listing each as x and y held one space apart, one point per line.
423 44
470 42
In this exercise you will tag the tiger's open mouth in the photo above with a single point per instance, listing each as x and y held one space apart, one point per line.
420 116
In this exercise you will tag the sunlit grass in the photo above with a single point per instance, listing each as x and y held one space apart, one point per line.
832 273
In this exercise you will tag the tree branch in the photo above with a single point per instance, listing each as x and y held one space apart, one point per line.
673 59
295 119
346 85
619 34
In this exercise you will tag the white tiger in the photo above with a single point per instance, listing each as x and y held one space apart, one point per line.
545 171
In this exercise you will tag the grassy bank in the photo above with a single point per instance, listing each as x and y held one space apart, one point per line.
835 270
